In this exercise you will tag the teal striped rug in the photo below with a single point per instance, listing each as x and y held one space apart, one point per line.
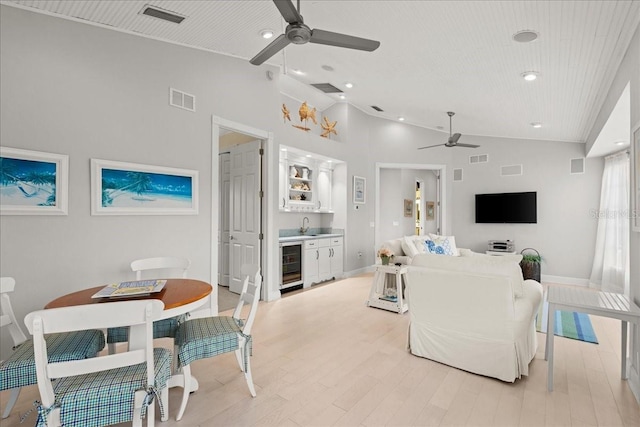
568 324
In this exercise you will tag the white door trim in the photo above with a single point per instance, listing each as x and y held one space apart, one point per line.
442 186
270 242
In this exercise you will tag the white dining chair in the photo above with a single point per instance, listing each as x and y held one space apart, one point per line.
210 336
161 268
107 389
19 369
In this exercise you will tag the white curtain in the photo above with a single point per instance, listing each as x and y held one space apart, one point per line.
611 261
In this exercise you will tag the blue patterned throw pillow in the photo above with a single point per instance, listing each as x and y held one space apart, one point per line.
441 245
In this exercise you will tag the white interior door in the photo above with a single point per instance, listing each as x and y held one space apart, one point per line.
224 213
245 209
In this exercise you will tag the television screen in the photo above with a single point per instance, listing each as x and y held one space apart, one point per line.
518 208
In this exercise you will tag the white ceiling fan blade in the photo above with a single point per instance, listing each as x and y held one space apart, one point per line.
466 145
274 47
454 138
343 40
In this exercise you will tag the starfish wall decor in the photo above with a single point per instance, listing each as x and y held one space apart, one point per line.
328 128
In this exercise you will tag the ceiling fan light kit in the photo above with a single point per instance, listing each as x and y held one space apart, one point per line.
299 33
453 138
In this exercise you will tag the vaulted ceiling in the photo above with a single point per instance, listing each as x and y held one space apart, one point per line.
434 57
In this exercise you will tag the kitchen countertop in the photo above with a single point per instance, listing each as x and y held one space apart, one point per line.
307 237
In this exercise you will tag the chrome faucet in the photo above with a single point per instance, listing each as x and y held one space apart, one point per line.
303 230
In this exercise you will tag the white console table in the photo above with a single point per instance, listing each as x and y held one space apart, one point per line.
605 304
376 295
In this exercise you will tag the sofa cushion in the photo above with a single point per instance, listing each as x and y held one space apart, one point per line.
408 247
507 265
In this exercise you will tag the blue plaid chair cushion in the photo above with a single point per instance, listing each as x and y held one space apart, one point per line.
106 397
165 328
207 337
19 369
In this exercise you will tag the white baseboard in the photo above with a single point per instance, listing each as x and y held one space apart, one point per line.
561 280
352 273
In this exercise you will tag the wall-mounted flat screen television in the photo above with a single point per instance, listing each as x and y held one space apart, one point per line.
518 208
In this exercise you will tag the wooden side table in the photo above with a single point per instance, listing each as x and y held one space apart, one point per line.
377 297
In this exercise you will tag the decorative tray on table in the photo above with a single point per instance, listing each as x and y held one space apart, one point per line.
130 289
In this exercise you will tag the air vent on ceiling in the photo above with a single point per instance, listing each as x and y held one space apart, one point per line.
457 175
577 165
511 170
378 109
165 15
182 100
326 87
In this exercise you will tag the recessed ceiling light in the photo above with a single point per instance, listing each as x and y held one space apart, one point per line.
526 36
401 118
530 75
342 96
308 155
349 85
536 125
620 142
297 71
266 33
283 149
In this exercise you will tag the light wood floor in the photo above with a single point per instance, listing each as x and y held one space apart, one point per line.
321 358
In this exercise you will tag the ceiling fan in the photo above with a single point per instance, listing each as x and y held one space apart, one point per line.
453 139
299 33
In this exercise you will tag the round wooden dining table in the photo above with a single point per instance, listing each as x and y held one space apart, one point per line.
179 296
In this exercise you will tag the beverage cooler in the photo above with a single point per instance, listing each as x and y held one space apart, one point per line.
291 265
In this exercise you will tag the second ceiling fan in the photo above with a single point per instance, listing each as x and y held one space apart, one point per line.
299 33
453 139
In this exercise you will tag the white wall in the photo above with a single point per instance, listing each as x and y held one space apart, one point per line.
88 92
566 230
629 71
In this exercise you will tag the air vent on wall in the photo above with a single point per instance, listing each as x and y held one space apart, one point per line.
165 15
577 165
457 175
378 109
182 100
511 170
326 87
480 158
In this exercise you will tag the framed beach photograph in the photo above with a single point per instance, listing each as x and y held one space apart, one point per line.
33 182
359 188
119 188
408 207
635 178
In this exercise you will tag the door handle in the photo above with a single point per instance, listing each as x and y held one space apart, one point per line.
317 254
230 237
283 202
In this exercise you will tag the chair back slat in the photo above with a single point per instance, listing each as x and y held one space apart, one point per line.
169 265
8 317
95 364
250 295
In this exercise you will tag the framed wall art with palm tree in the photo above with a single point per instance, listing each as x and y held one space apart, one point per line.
119 188
33 182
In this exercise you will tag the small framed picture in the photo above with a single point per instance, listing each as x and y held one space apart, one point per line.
33 182
359 189
430 211
119 188
408 207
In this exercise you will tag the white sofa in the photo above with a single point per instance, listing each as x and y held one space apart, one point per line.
473 312
405 248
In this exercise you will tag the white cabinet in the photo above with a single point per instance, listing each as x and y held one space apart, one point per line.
336 257
310 272
324 181
304 183
323 260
